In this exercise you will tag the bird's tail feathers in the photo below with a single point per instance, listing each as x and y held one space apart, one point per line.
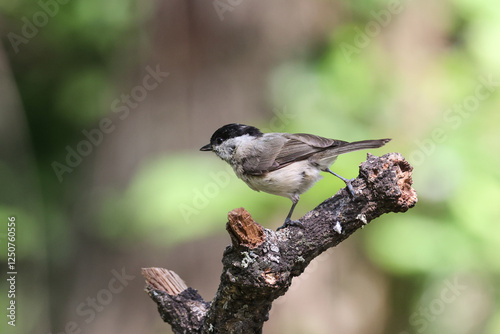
359 145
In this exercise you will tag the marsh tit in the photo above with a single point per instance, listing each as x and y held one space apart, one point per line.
282 164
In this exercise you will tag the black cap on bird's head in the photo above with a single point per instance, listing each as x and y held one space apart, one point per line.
230 131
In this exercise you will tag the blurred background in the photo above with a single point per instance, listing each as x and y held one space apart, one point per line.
104 106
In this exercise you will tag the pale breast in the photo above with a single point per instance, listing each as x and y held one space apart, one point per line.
295 178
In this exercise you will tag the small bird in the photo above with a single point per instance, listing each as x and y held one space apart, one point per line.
282 164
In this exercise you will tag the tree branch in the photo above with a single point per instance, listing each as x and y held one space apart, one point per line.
259 265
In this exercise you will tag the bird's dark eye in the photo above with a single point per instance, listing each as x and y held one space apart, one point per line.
219 141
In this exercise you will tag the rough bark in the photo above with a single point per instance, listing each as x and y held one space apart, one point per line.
259 265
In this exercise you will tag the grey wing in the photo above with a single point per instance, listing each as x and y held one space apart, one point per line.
261 159
301 146
284 148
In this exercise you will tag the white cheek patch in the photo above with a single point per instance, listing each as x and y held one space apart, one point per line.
223 152
226 150
242 139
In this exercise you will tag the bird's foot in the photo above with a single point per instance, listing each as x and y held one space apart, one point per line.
288 222
349 187
347 181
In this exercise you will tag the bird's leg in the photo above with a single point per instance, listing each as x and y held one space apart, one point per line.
347 181
288 220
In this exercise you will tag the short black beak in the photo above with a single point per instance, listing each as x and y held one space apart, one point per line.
207 147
